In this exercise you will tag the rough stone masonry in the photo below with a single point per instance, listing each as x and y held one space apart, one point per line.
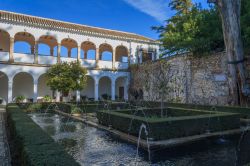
200 80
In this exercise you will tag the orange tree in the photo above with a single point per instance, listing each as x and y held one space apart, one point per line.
66 77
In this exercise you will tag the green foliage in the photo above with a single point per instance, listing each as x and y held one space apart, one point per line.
76 110
47 98
33 145
245 24
191 29
170 127
66 77
20 99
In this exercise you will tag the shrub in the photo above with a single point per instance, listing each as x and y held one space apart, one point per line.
106 96
169 127
32 144
76 110
47 98
20 99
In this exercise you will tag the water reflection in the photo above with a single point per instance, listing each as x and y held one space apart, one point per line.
91 146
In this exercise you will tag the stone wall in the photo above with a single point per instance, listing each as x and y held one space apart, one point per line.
201 80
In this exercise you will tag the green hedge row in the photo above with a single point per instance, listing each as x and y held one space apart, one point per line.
171 127
35 147
245 112
169 112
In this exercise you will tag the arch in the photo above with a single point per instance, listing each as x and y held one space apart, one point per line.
50 42
4 88
106 52
24 43
89 50
88 93
121 54
5 41
69 44
120 87
23 85
104 87
43 89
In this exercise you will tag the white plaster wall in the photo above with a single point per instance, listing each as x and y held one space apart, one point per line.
89 90
43 89
4 87
37 71
23 85
79 38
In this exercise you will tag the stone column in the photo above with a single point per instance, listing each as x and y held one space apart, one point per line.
52 51
11 55
35 91
78 96
58 53
113 60
10 88
97 57
96 89
78 53
57 96
129 55
113 89
85 54
126 84
69 52
140 56
36 52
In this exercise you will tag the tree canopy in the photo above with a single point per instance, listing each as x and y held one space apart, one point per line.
66 77
198 30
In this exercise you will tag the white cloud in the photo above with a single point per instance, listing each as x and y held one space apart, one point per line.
156 8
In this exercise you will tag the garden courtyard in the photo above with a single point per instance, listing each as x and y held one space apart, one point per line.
72 94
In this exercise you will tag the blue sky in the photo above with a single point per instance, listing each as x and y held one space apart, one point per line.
136 16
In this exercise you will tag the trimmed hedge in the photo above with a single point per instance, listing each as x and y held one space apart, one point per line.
171 127
245 112
169 112
34 146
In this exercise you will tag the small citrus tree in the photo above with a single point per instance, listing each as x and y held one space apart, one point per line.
66 77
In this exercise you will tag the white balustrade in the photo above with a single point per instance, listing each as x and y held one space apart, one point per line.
105 64
24 58
68 59
4 56
88 63
121 65
47 60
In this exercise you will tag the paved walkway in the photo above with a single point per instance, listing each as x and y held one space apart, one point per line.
4 147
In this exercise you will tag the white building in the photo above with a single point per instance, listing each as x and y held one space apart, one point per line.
23 72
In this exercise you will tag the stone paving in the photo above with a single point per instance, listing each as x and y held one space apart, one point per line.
5 159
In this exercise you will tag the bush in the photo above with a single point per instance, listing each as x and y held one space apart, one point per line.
47 98
169 127
34 146
76 110
20 99
106 96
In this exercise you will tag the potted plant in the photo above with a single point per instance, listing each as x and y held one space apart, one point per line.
76 111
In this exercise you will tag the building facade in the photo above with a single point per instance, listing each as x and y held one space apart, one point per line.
29 45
